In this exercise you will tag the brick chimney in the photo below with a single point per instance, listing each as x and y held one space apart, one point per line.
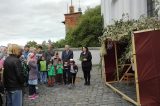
71 18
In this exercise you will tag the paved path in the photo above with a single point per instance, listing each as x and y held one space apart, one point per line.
95 95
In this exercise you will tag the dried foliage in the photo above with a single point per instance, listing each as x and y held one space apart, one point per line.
122 30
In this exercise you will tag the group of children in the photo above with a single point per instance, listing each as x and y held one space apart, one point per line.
56 71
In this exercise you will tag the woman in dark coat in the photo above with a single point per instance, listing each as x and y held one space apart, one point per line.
86 59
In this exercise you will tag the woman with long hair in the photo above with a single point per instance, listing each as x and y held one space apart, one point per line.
86 59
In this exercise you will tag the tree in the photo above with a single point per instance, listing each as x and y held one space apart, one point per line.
89 28
60 44
87 31
32 43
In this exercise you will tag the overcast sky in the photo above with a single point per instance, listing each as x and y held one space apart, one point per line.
38 20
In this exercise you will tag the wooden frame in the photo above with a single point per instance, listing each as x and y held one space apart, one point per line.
126 72
137 102
136 73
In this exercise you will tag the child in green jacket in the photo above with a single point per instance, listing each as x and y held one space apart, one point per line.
51 74
59 73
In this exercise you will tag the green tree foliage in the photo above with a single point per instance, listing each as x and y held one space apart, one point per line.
60 43
88 30
32 43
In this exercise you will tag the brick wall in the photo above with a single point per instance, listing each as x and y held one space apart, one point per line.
71 19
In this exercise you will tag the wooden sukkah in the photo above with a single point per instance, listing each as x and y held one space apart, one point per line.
119 33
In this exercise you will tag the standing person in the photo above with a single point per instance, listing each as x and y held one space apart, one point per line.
13 76
73 72
1 84
66 72
51 74
39 55
26 51
49 53
33 79
67 54
55 60
43 70
1 61
86 59
59 73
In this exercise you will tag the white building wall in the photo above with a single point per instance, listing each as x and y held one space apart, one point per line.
114 9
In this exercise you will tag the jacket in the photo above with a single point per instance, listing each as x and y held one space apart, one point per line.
13 73
43 65
88 56
33 72
66 56
49 54
75 69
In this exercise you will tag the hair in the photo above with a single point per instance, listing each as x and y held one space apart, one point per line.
85 48
72 62
51 61
67 46
27 46
14 49
56 53
59 60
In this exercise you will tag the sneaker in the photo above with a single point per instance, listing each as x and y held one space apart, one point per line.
32 97
36 95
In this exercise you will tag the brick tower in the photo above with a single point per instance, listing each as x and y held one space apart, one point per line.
71 18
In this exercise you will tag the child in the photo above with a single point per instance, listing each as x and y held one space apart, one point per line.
43 70
73 72
59 71
51 74
55 59
33 79
66 72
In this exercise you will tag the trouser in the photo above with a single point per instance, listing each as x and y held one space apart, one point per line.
14 98
66 76
32 89
59 78
1 100
51 80
86 73
72 78
43 77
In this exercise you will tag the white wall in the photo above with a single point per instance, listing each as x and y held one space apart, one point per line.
113 9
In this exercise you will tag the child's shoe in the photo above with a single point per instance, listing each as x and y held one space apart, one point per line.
31 97
36 95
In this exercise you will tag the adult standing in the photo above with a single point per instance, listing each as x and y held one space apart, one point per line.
39 55
13 76
49 53
67 54
86 59
26 51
